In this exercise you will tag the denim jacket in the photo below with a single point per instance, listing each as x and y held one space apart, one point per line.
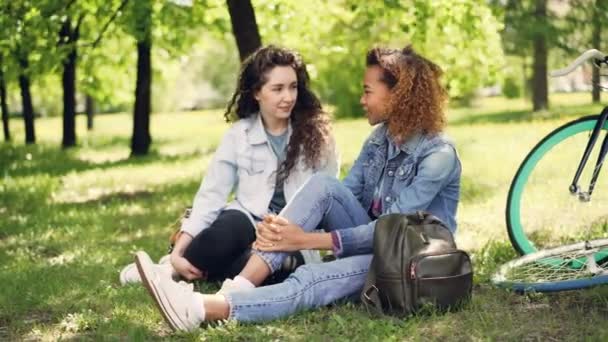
423 175
245 163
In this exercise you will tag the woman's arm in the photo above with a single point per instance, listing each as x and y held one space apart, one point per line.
219 181
354 178
434 171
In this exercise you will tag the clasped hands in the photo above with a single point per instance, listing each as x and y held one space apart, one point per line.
276 234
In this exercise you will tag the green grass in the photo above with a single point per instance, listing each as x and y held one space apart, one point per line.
69 220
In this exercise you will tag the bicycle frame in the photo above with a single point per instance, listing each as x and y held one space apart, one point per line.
574 187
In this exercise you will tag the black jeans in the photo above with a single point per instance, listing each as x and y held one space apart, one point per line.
222 250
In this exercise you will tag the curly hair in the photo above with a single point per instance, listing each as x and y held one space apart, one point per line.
417 99
310 124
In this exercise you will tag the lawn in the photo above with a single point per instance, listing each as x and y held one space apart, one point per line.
69 220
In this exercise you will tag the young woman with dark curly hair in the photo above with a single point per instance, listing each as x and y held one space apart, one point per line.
405 165
280 137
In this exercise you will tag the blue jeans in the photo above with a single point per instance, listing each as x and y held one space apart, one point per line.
323 202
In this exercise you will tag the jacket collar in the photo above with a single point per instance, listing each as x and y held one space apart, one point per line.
256 133
381 136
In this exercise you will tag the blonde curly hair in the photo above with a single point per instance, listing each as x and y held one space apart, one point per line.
417 99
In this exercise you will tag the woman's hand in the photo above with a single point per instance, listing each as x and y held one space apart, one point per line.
181 264
185 268
276 234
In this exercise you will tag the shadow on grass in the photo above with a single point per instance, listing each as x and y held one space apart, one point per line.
31 160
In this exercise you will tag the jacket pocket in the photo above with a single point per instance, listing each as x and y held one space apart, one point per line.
250 164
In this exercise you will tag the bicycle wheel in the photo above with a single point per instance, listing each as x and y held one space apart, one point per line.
569 267
541 212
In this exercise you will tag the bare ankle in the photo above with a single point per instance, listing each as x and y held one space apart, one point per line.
216 307
256 270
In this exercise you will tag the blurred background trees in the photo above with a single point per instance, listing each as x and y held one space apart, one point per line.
65 58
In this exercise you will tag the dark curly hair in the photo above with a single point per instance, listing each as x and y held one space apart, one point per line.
418 99
310 124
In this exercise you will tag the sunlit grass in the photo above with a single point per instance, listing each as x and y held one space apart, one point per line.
69 220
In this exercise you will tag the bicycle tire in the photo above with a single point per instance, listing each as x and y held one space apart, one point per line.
550 262
517 234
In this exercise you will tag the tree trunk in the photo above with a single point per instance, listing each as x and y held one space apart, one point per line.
540 96
3 105
141 140
244 27
595 43
69 37
89 105
26 101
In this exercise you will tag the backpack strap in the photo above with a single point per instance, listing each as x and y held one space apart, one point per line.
371 300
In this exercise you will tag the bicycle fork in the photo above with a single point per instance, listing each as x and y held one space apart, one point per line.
574 187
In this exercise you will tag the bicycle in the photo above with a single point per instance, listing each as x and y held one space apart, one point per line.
545 189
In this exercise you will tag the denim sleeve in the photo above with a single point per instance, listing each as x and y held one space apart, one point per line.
216 186
355 240
354 179
434 172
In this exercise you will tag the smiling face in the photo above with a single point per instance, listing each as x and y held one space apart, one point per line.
376 95
278 95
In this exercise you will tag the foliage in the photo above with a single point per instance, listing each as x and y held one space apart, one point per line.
510 88
461 36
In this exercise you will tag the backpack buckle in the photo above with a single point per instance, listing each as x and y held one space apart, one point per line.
368 292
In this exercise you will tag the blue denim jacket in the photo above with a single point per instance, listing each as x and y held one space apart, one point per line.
245 164
424 174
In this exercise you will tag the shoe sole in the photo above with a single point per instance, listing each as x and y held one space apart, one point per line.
154 293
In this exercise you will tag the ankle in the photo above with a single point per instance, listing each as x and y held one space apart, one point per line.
256 270
216 307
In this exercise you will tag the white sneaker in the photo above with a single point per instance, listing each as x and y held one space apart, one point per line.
173 299
129 274
236 284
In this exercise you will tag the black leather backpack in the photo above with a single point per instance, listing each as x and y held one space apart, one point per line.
415 264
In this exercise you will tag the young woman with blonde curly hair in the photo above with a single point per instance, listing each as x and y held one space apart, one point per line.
405 165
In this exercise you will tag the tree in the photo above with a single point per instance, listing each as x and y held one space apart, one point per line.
540 91
22 21
581 29
141 139
155 23
26 96
532 28
244 27
3 105
29 45
68 36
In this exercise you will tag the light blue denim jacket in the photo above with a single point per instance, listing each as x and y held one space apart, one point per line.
426 178
245 163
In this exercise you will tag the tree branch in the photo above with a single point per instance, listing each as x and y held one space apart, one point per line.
107 24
